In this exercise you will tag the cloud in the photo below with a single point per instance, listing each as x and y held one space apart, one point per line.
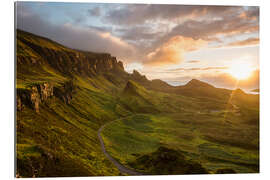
108 36
197 69
246 42
172 51
133 66
94 12
84 38
209 30
198 22
138 33
101 28
141 13
239 43
252 13
193 61
215 24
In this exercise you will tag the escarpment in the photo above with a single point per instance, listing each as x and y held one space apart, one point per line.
62 59
71 62
38 56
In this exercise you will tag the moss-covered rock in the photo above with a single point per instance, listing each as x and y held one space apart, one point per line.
165 161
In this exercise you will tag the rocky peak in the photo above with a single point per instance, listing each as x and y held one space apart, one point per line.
239 91
136 73
120 65
138 77
197 83
131 88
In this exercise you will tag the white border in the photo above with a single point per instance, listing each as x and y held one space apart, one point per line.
7 88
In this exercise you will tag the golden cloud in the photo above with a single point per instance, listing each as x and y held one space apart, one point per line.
173 50
116 40
246 42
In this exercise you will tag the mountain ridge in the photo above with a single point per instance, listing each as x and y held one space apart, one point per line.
103 61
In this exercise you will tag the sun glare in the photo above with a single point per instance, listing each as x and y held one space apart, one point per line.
240 71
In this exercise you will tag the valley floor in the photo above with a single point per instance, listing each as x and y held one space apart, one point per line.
129 138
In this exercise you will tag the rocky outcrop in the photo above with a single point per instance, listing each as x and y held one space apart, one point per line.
65 92
136 76
166 161
28 60
39 93
120 65
19 103
46 91
23 99
33 96
131 88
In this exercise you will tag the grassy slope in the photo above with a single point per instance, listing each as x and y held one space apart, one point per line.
218 139
62 139
67 132
128 138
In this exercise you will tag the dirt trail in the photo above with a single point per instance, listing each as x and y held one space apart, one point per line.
120 167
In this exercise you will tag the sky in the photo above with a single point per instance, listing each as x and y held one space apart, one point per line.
174 43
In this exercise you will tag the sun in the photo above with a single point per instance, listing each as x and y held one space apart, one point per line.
240 71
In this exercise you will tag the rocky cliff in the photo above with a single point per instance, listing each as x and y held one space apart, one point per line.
65 92
37 54
33 96
64 60
39 93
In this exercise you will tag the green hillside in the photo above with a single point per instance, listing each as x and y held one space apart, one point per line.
64 96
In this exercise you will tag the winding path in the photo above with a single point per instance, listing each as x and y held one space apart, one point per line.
120 167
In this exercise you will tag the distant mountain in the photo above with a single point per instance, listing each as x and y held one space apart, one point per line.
196 88
255 90
194 83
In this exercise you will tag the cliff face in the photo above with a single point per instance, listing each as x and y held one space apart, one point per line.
64 60
33 96
39 93
65 92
